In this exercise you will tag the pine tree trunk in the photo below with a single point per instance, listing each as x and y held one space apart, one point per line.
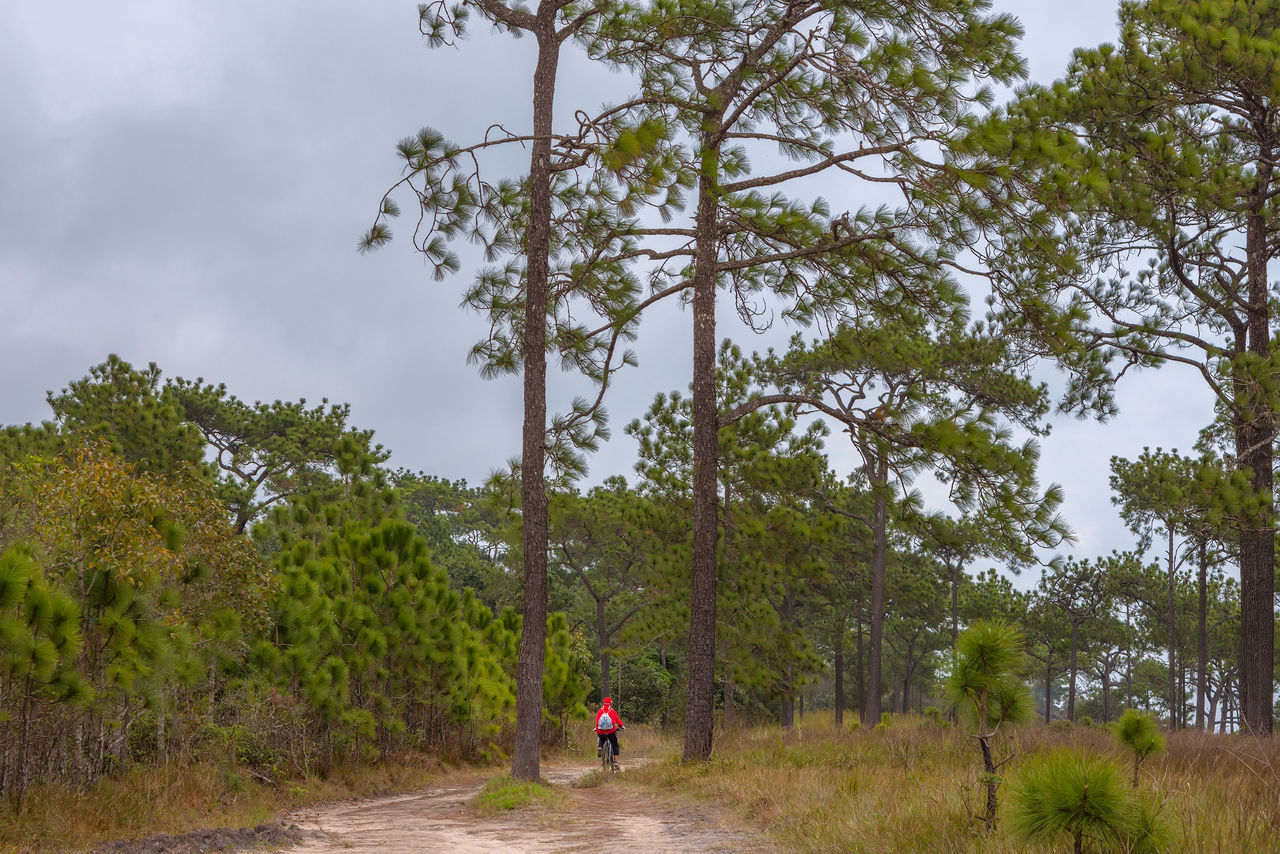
789 689
666 697
1048 692
700 703
1175 718
1255 452
955 603
879 557
989 766
526 753
1071 685
602 630
859 675
1202 638
839 664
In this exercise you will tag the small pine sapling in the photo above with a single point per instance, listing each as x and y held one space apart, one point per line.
1139 733
1067 795
986 685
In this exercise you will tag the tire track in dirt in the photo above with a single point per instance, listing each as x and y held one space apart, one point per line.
440 819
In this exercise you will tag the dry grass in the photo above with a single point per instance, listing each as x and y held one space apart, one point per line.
637 740
170 799
914 787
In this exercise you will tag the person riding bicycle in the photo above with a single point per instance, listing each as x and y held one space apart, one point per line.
608 723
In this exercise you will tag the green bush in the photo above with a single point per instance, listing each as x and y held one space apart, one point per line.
1138 732
1070 796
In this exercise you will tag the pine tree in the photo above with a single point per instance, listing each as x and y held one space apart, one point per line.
1136 228
848 91
986 684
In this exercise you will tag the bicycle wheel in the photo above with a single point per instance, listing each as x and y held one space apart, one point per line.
606 757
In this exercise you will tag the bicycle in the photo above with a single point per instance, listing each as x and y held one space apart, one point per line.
608 763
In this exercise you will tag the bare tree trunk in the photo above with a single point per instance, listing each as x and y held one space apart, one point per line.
878 469
526 753
839 665
1175 718
1255 452
789 695
1048 691
955 603
1202 638
1071 685
989 766
666 697
702 606
859 679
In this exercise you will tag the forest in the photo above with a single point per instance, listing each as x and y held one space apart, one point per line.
183 571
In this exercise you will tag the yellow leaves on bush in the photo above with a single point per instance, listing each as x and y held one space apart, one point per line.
89 511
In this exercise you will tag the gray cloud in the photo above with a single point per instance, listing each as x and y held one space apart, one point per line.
185 184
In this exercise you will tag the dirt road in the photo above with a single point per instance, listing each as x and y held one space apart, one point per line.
439 819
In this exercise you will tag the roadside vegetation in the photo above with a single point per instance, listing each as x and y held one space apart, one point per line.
175 799
506 793
913 786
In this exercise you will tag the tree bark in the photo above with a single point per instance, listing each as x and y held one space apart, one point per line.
1254 451
1048 691
526 753
955 603
1175 716
1202 637
878 469
789 695
700 704
1071 685
839 688
859 677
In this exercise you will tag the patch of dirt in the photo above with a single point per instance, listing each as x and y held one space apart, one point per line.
441 819
276 835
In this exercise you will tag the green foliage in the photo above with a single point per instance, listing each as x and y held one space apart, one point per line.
372 639
1068 796
647 687
265 452
1140 734
565 676
987 680
142 420
503 793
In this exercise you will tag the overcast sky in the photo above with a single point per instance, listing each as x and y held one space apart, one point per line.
185 183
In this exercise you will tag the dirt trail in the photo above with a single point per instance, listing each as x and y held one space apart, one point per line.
438 819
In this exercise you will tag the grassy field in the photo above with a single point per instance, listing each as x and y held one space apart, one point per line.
171 799
915 786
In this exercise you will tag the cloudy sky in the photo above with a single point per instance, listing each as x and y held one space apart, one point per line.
185 184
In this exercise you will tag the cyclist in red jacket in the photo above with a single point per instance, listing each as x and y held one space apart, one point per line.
607 725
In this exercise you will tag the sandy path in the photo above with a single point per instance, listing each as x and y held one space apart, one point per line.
439 819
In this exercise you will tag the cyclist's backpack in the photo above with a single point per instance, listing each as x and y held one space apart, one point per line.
605 722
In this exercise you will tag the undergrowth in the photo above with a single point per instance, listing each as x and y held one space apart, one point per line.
915 786
504 793
175 799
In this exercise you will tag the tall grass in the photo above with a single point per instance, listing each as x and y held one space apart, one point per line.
915 786
173 799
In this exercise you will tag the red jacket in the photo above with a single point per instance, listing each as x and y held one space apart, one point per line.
613 716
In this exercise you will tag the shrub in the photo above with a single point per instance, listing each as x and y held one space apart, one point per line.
1067 795
1139 733
986 685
